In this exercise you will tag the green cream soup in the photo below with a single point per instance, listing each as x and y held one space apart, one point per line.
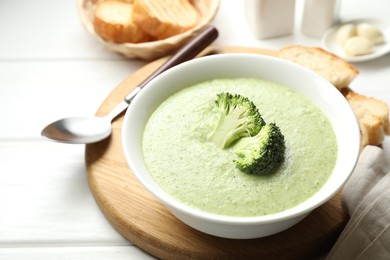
198 173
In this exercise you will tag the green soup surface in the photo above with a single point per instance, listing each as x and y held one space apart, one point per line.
196 172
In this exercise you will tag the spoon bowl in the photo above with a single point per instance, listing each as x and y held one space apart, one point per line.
78 130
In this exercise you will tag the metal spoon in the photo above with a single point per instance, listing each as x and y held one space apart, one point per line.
84 130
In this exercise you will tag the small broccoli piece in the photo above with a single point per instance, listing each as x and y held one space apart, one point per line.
238 117
262 153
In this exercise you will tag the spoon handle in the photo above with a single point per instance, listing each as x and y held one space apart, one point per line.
188 51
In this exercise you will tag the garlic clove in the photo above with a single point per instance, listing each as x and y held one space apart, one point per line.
370 32
357 45
345 32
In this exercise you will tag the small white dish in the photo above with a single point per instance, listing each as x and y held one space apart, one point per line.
330 42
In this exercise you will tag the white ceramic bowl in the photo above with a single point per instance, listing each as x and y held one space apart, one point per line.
327 97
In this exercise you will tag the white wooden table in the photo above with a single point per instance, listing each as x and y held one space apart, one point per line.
50 67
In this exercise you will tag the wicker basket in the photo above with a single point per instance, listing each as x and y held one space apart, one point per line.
153 49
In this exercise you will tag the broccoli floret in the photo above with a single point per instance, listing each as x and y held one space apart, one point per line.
238 117
259 146
261 153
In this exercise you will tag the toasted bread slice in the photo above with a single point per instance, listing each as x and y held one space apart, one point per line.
336 70
113 21
165 18
372 115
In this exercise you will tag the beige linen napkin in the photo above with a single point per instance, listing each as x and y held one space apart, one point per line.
366 197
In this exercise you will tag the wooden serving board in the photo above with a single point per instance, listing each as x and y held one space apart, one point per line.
140 218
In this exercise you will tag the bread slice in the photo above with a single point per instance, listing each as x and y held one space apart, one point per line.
372 115
165 18
113 21
336 70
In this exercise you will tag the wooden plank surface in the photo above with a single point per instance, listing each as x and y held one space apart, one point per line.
139 217
50 67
